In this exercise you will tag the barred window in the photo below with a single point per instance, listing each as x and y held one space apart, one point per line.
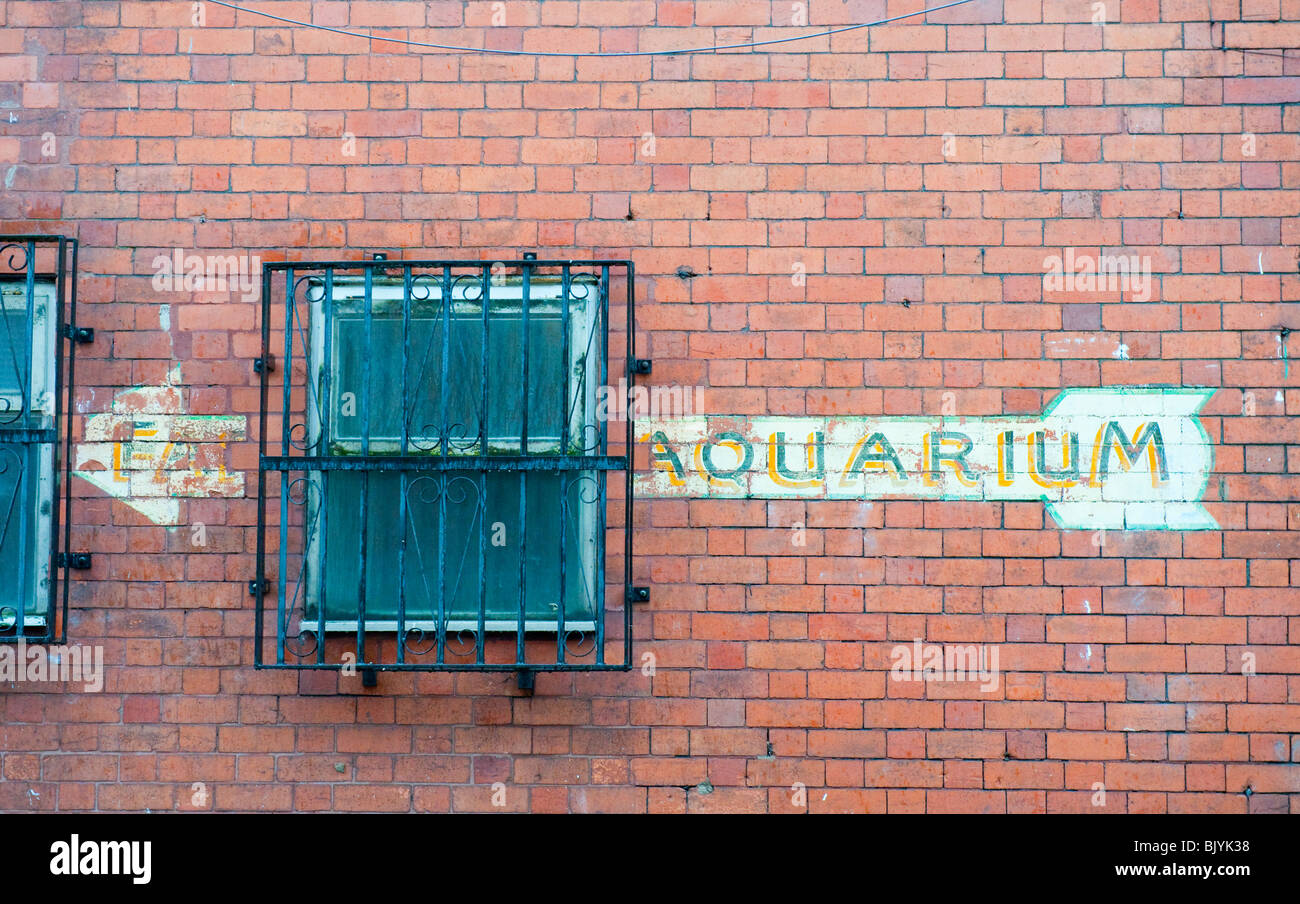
444 477
37 275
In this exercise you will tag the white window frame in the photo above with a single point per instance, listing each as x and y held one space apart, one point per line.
545 292
43 376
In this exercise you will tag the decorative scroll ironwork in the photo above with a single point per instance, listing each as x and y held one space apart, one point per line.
434 479
38 296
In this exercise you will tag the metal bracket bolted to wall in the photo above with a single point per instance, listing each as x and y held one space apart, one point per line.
267 363
641 365
638 594
78 560
82 334
255 590
527 679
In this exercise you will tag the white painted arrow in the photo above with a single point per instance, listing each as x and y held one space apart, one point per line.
148 453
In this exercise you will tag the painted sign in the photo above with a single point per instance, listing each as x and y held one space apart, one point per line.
149 453
1114 458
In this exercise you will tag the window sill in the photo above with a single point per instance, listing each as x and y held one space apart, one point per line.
491 626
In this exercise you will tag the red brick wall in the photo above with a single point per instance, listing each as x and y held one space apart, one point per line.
1121 663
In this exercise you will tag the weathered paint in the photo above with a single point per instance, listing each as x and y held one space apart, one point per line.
148 452
1118 458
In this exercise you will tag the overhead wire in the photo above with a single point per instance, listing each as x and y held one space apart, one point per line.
714 48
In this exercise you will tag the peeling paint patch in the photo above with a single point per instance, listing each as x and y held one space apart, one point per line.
147 452
166 428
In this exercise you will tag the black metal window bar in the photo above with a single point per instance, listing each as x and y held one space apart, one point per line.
38 338
438 487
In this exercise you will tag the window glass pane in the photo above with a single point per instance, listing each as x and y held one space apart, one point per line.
466 532
545 388
19 477
15 355
424 376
